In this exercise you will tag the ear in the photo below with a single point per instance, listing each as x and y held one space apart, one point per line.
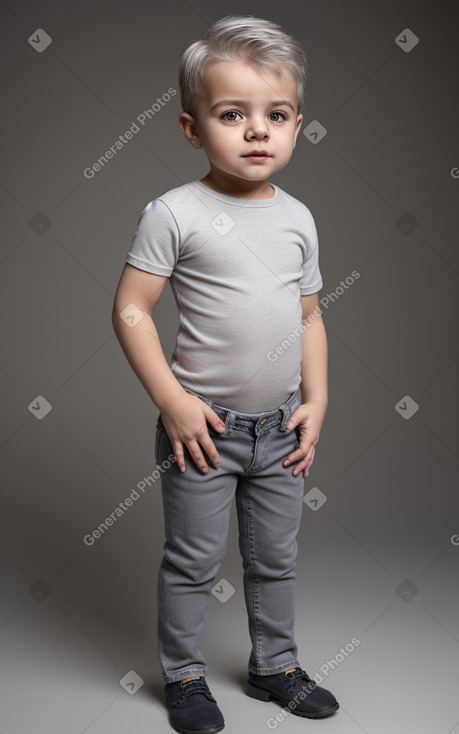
189 129
299 120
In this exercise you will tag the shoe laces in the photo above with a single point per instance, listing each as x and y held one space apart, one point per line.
297 676
197 685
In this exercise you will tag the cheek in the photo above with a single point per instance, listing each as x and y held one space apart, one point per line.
216 141
222 146
286 144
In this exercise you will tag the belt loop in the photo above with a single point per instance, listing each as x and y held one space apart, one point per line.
285 417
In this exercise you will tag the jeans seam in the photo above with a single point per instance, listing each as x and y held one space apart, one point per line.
171 493
256 599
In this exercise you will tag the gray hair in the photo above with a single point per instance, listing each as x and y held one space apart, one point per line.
256 40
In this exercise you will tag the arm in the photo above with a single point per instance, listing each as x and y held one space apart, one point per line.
184 415
140 343
314 373
310 415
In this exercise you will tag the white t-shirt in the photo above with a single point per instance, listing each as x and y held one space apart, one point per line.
237 269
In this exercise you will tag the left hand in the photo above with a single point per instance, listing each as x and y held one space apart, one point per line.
309 418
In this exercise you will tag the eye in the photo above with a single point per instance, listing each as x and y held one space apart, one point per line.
230 112
282 115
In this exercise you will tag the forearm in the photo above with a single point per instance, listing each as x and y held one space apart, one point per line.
143 350
314 369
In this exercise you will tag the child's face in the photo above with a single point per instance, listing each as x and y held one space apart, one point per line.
240 110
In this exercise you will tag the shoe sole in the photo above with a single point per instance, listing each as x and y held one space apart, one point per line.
182 730
261 694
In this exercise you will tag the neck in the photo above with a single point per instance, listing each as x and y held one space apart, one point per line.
238 188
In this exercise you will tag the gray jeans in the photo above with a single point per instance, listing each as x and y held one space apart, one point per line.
197 507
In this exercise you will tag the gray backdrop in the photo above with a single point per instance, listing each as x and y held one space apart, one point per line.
378 559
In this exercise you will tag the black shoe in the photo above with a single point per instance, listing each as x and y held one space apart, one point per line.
193 709
308 699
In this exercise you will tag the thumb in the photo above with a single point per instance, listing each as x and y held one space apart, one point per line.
293 421
214 419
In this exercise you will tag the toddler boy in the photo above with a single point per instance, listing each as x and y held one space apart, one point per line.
243 402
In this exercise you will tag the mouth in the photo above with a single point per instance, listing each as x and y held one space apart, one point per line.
257 155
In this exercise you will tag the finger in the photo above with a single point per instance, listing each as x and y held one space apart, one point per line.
308 465
197 456
297 417
298 468
302 466
305 463
299 453
214 419
179 455
210 449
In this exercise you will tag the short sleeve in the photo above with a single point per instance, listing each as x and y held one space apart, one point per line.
156 243
311 282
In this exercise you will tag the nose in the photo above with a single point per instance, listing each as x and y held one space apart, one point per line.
257 128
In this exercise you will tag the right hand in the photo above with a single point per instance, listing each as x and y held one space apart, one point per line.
185 424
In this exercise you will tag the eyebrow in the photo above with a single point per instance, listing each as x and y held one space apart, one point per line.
242 102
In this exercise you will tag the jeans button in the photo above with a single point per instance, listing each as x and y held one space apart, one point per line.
263 421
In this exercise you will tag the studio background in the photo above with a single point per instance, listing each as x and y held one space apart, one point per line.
378 559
